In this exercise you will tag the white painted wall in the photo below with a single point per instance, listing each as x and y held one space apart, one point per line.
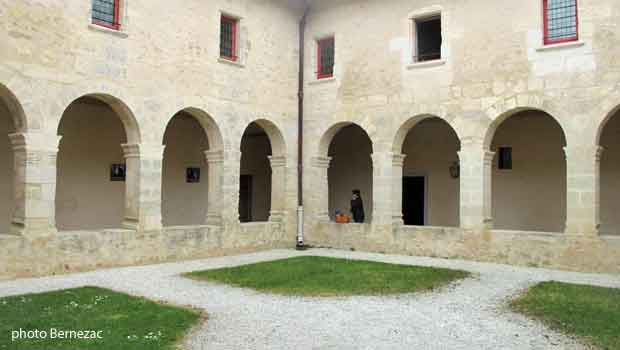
532 196
91 141
610 177
431 148
254 152
6 171
350 168
184 204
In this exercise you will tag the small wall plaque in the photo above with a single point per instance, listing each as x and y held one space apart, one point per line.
193 175
118 172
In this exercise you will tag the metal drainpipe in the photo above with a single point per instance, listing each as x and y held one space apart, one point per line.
300 134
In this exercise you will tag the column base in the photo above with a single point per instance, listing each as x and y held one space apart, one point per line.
214 220
277 216
33 228
131 223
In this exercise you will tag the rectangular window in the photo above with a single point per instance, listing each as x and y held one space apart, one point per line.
505 158
560 20
427 39
325 58
228 38
106 13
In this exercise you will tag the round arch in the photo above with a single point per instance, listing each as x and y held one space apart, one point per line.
208 124
330 134
275 136
499 120
15 109
406 127
120 109
601 127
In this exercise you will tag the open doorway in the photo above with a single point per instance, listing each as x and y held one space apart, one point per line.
414 200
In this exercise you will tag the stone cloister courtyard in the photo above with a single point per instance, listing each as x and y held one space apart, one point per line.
469 313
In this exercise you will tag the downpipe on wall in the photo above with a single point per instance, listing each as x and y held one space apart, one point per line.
300 133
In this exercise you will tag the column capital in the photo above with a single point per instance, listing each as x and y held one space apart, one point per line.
131 150
584 152
472 142
277 161
398 160
34 141
214 157
321 162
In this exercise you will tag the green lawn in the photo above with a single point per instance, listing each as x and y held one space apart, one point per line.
125 322
592 313
319 276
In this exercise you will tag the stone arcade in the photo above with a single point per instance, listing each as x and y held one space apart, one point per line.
505 141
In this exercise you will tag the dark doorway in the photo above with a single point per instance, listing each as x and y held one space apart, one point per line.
245 199
414 200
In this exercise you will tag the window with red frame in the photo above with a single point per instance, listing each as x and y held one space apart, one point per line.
561 21
325 58
228 38
106 13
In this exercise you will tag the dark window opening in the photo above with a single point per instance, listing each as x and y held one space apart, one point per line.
428 39
414 200
325 58
561 22
228 38
505 158
106 13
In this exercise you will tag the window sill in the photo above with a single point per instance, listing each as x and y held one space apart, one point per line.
426 64
98 28
322 81
561 46
232 63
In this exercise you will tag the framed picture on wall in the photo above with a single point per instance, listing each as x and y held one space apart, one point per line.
118 172
193 175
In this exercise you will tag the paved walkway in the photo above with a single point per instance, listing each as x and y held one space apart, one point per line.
470 314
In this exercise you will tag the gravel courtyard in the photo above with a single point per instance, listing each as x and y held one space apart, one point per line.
471 314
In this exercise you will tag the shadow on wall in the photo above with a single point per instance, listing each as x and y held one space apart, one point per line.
7 191
530 194
610 177
86 195
431 147
351 168
184 200
255 191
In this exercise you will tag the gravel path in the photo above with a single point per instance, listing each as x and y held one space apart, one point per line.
470 314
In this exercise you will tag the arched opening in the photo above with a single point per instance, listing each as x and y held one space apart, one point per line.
255 181
529 172
91 164
185 189
430 183
610 176
7 173
350 169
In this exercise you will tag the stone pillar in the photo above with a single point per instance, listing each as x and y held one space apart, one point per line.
382 179
215 161
321 191
278 188
398 161
583 189
143 186
476 173
35 184
230 187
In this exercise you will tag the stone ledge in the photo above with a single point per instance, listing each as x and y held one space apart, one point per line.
426 64
560 46
118 33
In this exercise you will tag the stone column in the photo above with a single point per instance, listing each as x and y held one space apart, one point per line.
583 189
230 187
321 191
278 188
382 179
215 161
398 161
476 173
143 186
35 184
